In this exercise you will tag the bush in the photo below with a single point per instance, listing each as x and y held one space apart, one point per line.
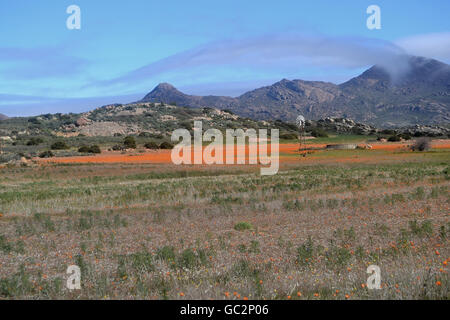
388 131
241 226
288 136
186 125
151 145
394 138
118 147
319 133
166 145
95 149
422 144
405 136
91 149
59 145
46 154
84 149
35 141
129 142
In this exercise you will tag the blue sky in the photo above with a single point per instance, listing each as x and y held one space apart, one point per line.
125 48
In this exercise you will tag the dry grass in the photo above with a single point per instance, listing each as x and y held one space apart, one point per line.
160 232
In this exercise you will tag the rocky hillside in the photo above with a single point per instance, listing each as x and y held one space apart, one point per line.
3 117
419 94
151 119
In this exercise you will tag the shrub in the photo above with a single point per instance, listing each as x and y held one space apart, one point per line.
337 257
35 141
166 253
319 133
388 131
151 145
91 149
129 142
422 144
142 261
84 149
95 149
394 138
59 145
241 226
46 154
118 147
405 136
288 136
166 145
186 125
187 259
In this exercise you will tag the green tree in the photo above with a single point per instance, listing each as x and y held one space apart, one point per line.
129 142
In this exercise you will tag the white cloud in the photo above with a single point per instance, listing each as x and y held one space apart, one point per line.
431 45
270 52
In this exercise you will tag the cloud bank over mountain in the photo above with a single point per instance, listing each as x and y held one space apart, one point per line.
270 52
432 45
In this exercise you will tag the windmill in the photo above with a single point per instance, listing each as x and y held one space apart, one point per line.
300 122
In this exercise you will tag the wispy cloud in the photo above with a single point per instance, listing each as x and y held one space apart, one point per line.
431 45
270 52
21 105
38 63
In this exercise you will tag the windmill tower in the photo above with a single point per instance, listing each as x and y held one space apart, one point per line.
300 122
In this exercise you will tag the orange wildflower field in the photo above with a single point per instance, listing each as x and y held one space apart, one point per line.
287 151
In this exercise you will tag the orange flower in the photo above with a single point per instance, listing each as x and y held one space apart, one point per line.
299 294
245 298
437 252
337 291
445 263
363 285
347 296
438 283
289 297
181 294
260 282
316 294
227 294
235 293
396 286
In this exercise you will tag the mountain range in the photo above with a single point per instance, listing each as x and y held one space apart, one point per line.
418 92
3 117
